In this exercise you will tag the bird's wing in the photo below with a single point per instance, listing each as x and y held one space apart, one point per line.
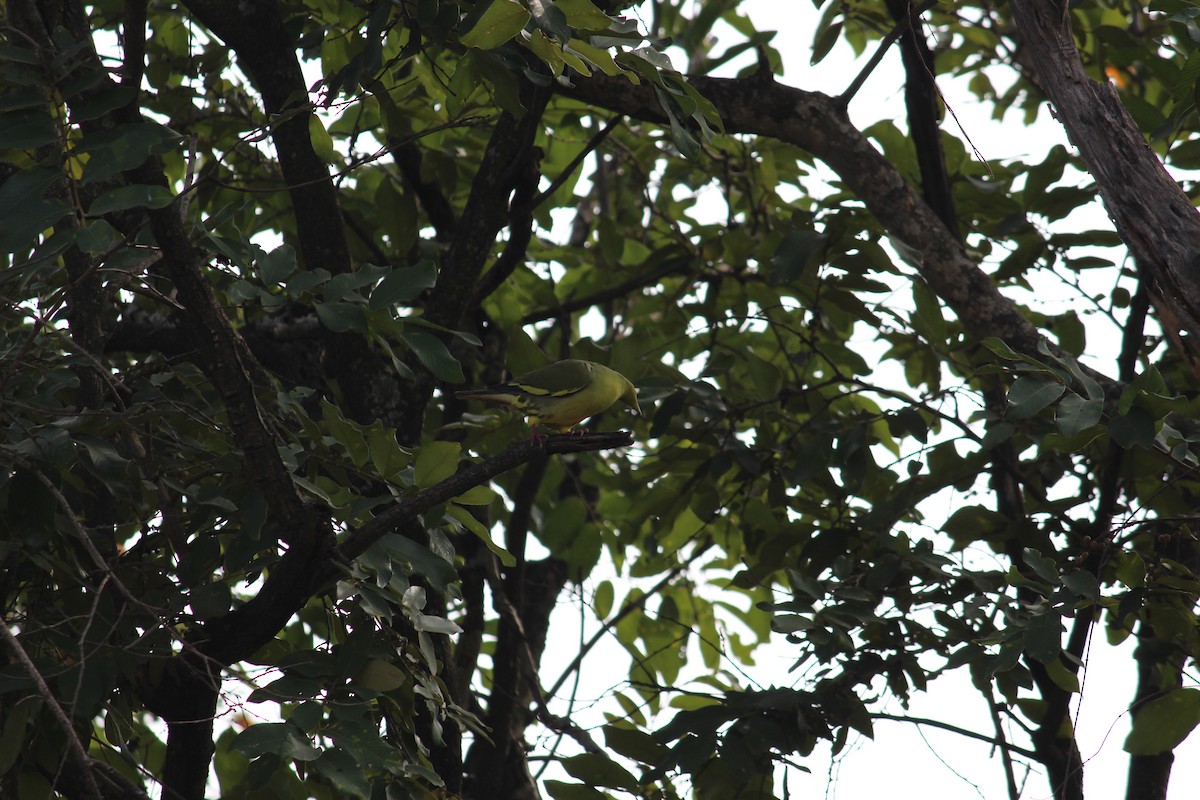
559 379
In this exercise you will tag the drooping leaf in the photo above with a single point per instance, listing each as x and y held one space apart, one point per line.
1030 395
136 196
279 738
433 353
1163 722
500 21
436 462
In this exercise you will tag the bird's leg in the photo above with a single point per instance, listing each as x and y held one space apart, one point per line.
537 436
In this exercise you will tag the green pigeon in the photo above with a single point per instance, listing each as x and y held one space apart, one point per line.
560 395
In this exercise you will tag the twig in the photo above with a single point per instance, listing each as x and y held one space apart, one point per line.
998 741
73 743
884 45
624 612
357 542
189 180
569 170
667 267
552 721
1010 775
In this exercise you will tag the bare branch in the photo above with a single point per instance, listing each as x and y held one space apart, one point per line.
409 508
998 741
64 722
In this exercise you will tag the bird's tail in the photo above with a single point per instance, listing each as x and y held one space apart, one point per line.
495 394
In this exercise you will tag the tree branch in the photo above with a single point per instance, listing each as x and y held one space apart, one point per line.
881 49
508 154
520 233
997 741
1010 775
921 103
357 542
73 744
259 34
1152 214
818 124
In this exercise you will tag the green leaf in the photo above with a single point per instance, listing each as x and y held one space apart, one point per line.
825 42
1043 567
468 521
602 600
322 142
1135 429
798 253
397 210
344 773
1029 395
27 128
684 141
342 317
387 456
13 739
135 196
636 744
403 285
1083 584
24 212
476 496
98 236
122 148
550 19
107 98
344 432
1130 569
380 676
1000 348
927 317
600 770
582 15
501 20
278 265
281 738
420 560
433 353
687 525
436 462
305 281
271 653
432 624
1063 678
211 600
600 58
1162 723
25 187
975 523
791 623
505 87
560 790
1043 637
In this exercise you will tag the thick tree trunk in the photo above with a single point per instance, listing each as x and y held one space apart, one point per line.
499 768
1149 775
1153 215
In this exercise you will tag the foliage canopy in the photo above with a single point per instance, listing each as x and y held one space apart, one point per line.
251 543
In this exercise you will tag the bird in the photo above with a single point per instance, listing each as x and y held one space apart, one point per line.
559 396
